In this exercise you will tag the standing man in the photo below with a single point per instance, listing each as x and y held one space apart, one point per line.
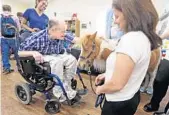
10 26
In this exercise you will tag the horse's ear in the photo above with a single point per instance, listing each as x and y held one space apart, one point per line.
93 35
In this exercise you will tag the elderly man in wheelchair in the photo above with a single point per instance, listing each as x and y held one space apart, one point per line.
47 46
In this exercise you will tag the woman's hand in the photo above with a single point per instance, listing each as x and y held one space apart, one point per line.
99 90
35 29
100 78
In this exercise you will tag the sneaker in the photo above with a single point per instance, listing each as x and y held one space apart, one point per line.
76 99
7 71
73 101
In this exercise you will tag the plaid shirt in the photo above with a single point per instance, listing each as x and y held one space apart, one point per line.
43 44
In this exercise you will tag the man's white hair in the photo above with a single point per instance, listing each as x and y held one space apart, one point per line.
54 22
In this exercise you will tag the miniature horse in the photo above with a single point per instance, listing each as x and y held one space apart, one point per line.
95 50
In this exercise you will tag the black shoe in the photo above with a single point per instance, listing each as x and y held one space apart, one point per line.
149 108
73 101
7 71
76 99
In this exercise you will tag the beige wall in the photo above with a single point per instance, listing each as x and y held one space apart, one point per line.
16 5
160 5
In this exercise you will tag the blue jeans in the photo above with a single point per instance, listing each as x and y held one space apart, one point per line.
6 45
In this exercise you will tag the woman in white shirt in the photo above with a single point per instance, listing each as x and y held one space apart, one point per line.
127 66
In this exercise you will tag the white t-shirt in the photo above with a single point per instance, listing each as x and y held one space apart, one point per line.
137 46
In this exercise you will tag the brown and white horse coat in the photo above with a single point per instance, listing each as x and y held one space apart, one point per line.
95 50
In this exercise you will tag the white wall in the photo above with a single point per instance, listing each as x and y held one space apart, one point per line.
16 5
160 5
87 10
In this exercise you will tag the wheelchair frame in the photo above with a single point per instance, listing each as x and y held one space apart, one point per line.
40 78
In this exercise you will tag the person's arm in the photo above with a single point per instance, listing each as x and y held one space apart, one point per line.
123 69
27 47
25 26
165 35
71 38
25 20
37 56
28 44
76 40
17 23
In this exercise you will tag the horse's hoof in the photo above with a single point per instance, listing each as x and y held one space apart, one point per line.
82 91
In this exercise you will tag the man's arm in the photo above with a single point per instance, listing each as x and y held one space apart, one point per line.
29 44
165 35
72 39
37 56
26 53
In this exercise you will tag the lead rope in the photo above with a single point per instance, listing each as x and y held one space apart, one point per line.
90 76
101 97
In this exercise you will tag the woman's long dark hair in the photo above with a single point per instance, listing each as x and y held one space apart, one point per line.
36 2
140 15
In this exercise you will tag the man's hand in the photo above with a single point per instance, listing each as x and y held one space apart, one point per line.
38 57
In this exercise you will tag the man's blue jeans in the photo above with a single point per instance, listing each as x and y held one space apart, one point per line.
6 45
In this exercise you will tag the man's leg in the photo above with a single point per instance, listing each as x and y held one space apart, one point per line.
14 44
57 68
160 86
70 64
5 54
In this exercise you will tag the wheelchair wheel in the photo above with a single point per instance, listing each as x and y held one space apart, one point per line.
22 92
52 107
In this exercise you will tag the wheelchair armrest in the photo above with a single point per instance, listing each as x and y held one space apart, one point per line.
29 65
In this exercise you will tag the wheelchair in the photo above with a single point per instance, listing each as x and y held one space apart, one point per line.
39 78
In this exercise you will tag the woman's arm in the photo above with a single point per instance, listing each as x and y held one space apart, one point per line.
123 69
24 25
